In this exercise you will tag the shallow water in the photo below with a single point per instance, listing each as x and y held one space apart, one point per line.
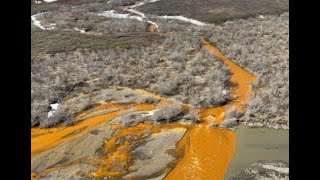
255 144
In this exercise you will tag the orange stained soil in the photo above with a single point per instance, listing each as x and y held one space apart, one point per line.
56 136
45 139
152 27
117 150
34 176
208 150
109 106
210 115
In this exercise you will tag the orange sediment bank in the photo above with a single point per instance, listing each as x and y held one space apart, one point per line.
211 115
208 150
45 139
34 176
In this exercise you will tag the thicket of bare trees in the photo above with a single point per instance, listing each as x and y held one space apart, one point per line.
261 46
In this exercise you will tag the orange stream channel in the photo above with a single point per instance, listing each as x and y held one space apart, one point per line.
207 150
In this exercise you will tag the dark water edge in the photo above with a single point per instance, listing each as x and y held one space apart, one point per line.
255 144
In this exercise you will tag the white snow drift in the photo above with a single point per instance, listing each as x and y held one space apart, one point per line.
136 12
80 30
49 1
114 14
150 113
143 3
38 23
181 18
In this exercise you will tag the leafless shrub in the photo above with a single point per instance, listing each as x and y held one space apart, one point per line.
169 113
233 113
192 116
148 100
131 118
232 118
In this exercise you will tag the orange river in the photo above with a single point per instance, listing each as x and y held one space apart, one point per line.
209 150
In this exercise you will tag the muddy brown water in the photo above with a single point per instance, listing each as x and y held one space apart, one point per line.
255 144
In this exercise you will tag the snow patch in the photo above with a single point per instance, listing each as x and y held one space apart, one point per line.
224 92
113 14
181 18
49 1
279 169
151 22
80 30
142 17
54 108
136 12
260 16
228 22
143 3
38 23
150 113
